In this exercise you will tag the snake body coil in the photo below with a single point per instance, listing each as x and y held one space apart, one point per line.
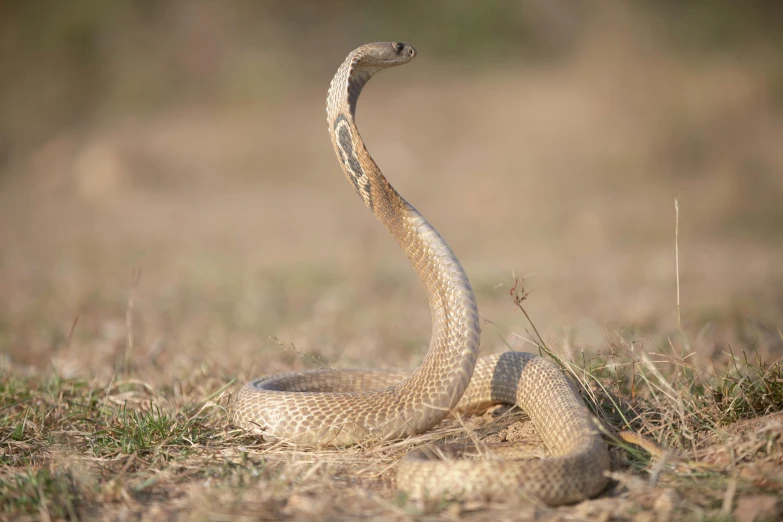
338 408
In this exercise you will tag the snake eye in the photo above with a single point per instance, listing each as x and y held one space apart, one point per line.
399 46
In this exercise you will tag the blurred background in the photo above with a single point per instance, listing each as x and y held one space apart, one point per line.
187 140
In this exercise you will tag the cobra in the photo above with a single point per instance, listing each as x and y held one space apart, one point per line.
338 408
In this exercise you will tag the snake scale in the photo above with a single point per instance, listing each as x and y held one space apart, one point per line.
338 408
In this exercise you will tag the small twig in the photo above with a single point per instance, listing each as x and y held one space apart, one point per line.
135 278
677 271
677 254
518 300
73 327
301 353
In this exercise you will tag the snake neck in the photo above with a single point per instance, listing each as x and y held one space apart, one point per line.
357 164
455 338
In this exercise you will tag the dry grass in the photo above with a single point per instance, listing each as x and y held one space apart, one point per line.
146 265
73 448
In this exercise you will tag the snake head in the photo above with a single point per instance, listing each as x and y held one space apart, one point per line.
380 55
357 69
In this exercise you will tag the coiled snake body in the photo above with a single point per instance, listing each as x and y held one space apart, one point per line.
338 408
